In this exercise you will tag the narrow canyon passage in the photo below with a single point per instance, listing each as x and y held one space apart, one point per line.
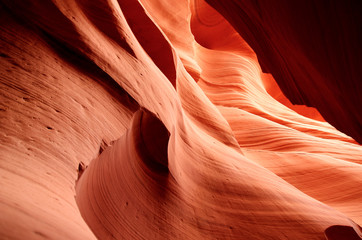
159 119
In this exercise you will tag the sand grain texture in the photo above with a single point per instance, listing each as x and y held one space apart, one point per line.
153 119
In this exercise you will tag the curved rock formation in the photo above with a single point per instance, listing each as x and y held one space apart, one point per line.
312 48
153 119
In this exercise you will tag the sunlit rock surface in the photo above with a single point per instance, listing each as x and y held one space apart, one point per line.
153 119
312 48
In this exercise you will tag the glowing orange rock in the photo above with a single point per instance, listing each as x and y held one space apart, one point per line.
152 119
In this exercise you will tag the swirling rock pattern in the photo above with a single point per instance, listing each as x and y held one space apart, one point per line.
153 119
312 48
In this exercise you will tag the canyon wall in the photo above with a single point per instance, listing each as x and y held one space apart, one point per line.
158 119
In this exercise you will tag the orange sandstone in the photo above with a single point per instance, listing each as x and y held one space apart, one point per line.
153 119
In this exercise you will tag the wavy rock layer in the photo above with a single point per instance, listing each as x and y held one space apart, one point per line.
312 48
174 128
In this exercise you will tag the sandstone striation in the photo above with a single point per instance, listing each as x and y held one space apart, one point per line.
158 119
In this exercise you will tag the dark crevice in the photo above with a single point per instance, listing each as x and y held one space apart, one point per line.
101 15
104 144
338 232
4 55
152 142
150 38
81 168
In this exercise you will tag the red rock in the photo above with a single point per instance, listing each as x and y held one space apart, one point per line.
312 48
152 119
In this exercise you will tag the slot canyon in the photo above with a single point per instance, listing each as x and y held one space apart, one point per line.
181 119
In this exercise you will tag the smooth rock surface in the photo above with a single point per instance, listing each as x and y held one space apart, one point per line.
153 119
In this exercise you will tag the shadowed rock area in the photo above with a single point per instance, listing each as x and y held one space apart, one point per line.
342 233
159 119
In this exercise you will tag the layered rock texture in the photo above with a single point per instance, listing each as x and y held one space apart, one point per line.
159 119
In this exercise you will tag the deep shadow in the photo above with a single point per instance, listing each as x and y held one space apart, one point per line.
152 142
101 15
150 38
338 232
